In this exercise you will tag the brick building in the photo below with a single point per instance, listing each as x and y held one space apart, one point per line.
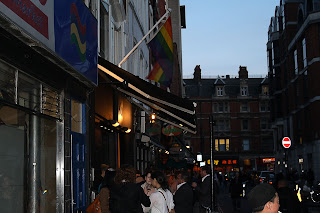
294 53
239 106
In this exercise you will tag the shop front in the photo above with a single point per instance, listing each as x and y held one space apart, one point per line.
44 99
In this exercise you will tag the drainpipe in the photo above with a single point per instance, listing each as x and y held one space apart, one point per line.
34 158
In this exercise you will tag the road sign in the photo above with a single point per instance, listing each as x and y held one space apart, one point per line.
286 142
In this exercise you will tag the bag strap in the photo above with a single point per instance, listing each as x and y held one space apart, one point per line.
165 200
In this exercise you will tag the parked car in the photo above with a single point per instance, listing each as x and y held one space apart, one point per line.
266 177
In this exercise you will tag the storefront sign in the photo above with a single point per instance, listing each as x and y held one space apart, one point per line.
268 160
226 162
67 28
171 130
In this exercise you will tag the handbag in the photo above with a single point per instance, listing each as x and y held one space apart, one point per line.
95 206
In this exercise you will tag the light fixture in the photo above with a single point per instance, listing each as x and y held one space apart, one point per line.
188 147
153 117
115 123
199 157
128 130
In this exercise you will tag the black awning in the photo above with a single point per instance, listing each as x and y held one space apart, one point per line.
171 108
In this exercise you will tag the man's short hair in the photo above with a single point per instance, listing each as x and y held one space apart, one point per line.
206 168
260 195
184 175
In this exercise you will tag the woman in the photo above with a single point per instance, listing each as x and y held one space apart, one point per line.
126 196
162 199
148 189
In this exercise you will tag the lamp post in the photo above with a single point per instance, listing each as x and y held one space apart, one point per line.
213 199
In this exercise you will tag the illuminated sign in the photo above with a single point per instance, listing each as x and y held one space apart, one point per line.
268 160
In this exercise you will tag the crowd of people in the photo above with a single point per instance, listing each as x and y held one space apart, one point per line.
126 190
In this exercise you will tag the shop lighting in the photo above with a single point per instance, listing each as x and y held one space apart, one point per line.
115 123
128 130
188 147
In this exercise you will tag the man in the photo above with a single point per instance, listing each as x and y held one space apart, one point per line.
183 197
263 198
98 179
288 200
203 191
236 192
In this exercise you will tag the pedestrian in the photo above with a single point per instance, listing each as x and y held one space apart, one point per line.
289 202
203 190
162 199
263 198
183 197
106 185
236 192
147 188
99 178
126 196
139 178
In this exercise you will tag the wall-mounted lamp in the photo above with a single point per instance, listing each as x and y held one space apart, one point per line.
153 117
115 123
128 130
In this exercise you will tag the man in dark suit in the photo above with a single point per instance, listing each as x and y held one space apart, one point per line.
203 190
183 197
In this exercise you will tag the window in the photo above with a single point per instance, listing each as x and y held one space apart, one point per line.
246 144
222 144
264 124
245 124
219 91
244 107
222 125
304 53
264 106
244 91
296 62
220 107
265 90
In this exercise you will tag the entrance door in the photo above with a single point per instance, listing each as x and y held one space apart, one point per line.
78 141
78 172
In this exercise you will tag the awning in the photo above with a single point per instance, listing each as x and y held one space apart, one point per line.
168 107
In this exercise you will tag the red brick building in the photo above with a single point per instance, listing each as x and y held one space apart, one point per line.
240 110
294 63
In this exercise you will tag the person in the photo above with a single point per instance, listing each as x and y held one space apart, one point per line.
139 178
263 198
147 188
162 199
203 190
236 192
183 197
104 195
99 179
126 196
289 202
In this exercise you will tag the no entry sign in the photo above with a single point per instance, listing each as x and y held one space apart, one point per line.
286 142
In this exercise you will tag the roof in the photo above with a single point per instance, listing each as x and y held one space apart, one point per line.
206 87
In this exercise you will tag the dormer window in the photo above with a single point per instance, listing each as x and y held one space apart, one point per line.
219 91
265 90
244 91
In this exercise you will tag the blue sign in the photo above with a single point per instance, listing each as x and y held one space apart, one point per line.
76 37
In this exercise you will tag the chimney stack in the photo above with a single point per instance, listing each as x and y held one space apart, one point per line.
227 76
197 74
243 72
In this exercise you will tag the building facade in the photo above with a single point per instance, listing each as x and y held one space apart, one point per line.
241 135
293 72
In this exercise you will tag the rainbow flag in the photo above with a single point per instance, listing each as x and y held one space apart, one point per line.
161 47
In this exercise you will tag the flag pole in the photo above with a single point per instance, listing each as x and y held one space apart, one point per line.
144 37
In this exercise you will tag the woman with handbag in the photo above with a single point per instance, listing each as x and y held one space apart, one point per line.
162 199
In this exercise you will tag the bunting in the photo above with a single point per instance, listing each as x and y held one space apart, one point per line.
161 47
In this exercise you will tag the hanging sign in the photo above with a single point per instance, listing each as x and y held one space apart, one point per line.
171 130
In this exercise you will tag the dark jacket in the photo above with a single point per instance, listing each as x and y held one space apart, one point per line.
288 200
203 192
183 199
236 189
127 198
